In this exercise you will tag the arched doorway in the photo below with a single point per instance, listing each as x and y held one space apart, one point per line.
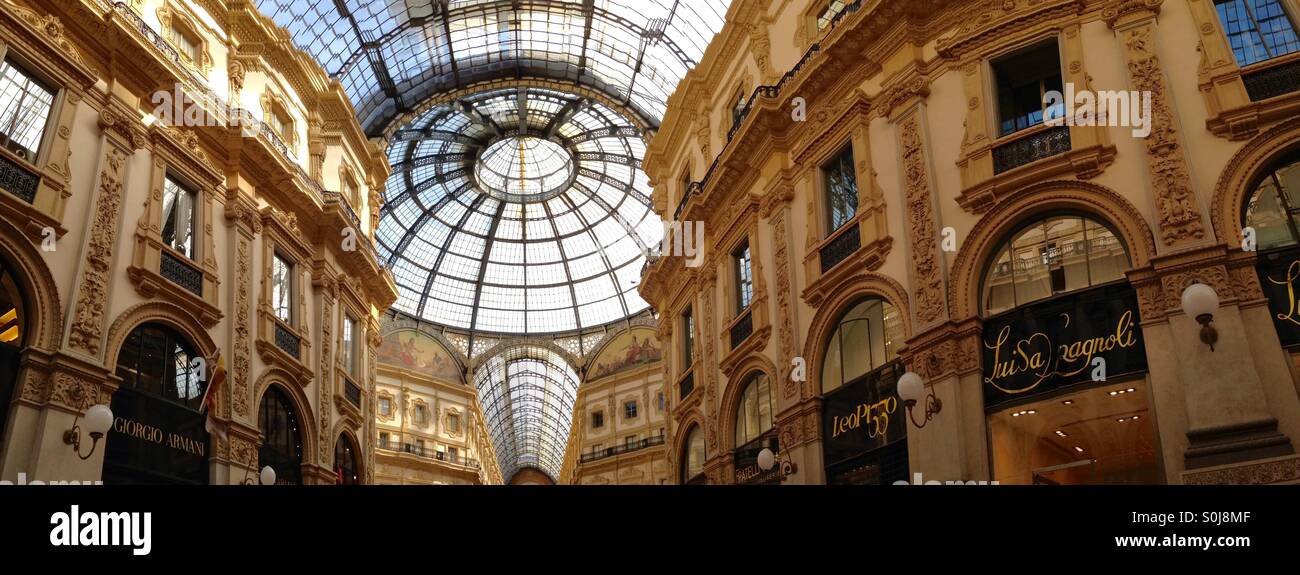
158 434
1063 357
864 429
754 431
347 462
13 337
281 437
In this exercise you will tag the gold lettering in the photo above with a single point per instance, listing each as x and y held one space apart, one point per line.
1292 272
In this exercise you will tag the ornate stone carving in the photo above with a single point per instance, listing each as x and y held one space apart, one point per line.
241 359
710 365
326 373
88 313
51 29
784 311
927 275
1171 184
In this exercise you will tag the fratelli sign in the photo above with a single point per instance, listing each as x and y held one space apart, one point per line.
1088 336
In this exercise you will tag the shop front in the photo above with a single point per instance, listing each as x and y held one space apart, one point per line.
1064 364
864 427
158 435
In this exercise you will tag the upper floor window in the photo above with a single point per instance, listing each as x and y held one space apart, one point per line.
421 414
738 108
659 400
744 277
282 288
629 441
349 344
385 407
1258 30
629 410
828 14
178 217
185 42
1052 256
754 414
868 336
1023 79
688 338
1273 211
597 419
25 105
453 423
281 123
383 440
841 189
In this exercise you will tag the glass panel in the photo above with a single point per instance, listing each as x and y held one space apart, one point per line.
841 189
754 414
1022 81
282 438
24 110
872 331
744 279
1051 257
1257 30
178 217
282 289
349 345
1272 209
695 454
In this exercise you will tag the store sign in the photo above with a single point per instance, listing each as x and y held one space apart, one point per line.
1279 277
154 440
1089 336
864 415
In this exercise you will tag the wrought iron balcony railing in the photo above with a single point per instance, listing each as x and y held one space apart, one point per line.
181 273
1029 149
621 449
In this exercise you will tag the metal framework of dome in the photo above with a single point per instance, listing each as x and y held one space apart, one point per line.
393 55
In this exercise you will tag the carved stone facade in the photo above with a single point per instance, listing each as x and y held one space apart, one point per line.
912 88
95 240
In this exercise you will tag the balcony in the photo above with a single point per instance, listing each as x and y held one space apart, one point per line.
176 270
686 386
18 180
1033 146
1273 81
352 393
432 454
621 449
840 248
287 341
742 329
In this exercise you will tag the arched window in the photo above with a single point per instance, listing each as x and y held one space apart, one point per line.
1049 257
693 458
346 468
868 336
13 317
281 437
158 434
1273 210
754 412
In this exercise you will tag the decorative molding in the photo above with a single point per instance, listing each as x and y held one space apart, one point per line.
930 301
1171 183
87 329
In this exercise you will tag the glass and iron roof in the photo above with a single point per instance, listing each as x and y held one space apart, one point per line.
527 394
518 211
392 55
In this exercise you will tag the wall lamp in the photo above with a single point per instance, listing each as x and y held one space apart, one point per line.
767 460
1201 301
98 419
910 388
267 476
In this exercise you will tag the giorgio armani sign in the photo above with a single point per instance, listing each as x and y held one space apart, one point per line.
1073 339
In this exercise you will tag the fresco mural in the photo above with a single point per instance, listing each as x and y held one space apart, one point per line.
628 350
418 352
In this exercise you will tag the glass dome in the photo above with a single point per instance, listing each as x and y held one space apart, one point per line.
518 211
